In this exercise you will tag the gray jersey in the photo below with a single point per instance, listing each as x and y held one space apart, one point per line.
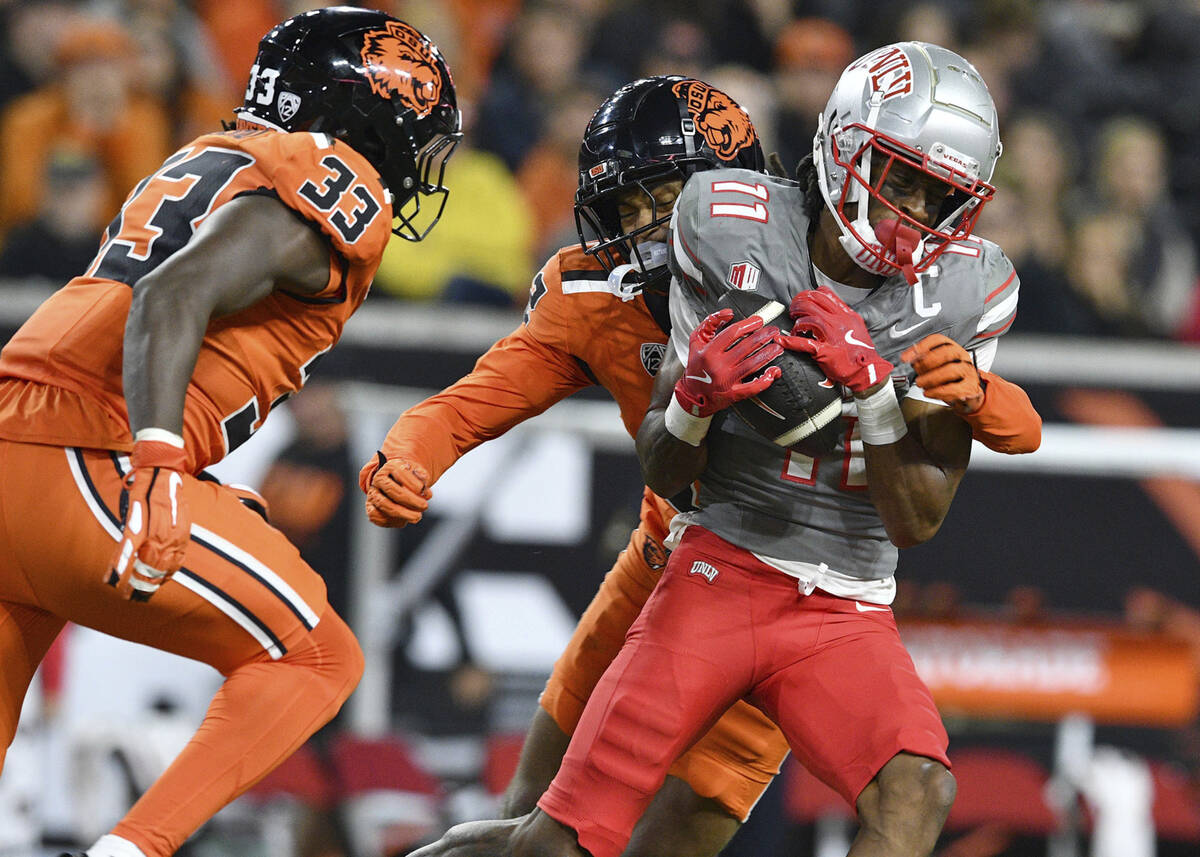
740 229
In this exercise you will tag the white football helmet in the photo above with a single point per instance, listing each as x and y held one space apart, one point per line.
920 105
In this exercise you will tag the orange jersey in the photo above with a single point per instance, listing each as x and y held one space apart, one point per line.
71 348
578 332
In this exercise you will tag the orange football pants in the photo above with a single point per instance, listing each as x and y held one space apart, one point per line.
244 602
734 762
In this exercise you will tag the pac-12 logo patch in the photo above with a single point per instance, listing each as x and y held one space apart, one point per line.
287 105
708 572
652 354
744 276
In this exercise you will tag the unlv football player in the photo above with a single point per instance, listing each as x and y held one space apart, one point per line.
593 311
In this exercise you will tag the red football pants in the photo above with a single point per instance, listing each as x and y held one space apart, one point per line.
721 625
735 761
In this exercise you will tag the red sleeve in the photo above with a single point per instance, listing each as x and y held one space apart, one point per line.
1007 421
516 379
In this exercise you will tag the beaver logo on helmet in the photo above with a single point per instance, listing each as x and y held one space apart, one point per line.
725 126
399 62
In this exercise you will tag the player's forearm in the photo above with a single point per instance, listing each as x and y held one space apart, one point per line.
439 431
1007 422
911 494
914 478
668 464
516 379
162 340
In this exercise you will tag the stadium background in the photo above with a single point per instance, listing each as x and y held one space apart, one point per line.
1057 614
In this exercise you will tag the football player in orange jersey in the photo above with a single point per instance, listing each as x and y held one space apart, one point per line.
223 279
597 315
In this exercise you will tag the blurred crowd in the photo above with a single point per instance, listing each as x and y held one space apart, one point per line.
1099 185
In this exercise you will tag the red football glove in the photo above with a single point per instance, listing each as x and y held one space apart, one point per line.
837 338
157 523
397 491
718 361
946 371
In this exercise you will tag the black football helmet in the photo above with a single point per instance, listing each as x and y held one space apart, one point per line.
373 82
649 131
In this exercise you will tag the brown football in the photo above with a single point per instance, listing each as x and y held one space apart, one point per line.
802 409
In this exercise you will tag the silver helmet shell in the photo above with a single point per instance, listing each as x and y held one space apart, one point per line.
917 104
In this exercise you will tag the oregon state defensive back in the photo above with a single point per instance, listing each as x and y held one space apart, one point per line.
216 289
597 315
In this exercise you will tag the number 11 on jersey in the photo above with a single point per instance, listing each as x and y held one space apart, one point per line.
802 470
756 211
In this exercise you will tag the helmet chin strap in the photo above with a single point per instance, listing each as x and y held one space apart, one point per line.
625 281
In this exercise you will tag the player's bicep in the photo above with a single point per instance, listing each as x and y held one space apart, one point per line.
239 255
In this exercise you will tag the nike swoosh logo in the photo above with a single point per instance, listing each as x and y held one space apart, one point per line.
853 341
703 379
870 608
897 332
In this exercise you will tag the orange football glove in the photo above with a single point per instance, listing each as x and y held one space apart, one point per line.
397 491
157 523
946 371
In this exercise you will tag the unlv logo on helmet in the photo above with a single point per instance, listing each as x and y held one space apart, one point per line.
399 62
890 71
724 125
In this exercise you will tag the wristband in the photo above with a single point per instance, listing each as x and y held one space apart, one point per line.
880 420
686 427
155 447
159 436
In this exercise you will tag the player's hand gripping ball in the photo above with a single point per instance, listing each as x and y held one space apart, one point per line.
836 337
801 409
725 359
